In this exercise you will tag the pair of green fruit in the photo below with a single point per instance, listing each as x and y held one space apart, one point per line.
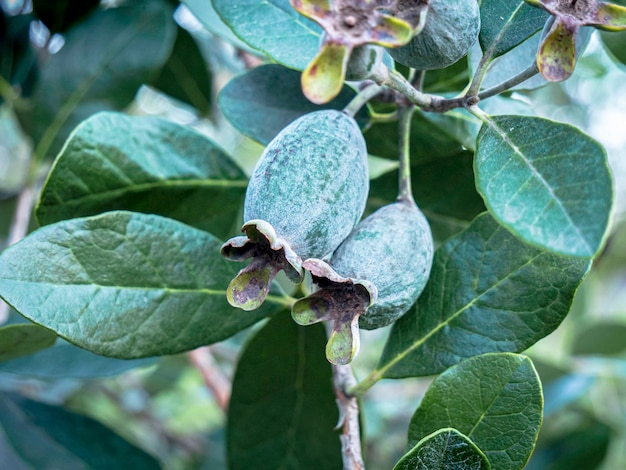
302 210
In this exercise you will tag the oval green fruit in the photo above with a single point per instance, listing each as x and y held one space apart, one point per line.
450 30
393 249
373 278
305 196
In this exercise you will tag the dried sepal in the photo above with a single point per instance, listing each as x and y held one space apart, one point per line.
341 301
347 24
270 254
556 57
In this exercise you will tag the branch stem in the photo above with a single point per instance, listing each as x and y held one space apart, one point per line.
521 77
343 380
361 99
404 174
215 380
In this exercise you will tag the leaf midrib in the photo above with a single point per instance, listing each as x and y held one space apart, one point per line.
382 370
517 151
143 187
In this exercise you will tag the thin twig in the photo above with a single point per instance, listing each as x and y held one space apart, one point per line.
404 179
343 379
19 229
521 77
215 380
361 99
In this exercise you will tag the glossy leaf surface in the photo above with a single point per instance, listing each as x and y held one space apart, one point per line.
547 182
282 411
252 103
446 449
144 164
487 292
507 24
494 399
274 28
125 285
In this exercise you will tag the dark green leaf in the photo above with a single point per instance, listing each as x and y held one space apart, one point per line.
119 49
22 340
18 62
45 436
253 105
125 285
59 15
185 76
615 43
282 411
64 360
443 189
547 182
446 449
144 164
494 399
607 338
274 28
487 292
504 25
428 140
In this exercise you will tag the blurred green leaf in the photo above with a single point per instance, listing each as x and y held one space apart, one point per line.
18 62
494 399
607 338
565 390
60 15
126 285
504 25
185 76
581 444
64 360
282 412
615 43
45 436
445 449
428 140
487 292
274 28
22 340
119 49
250 101
144 164
547 182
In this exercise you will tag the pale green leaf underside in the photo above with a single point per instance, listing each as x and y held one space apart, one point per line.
505 24
547 182
445 449
21 340
274 28
282 412
487 292
146 164
494 399
125 285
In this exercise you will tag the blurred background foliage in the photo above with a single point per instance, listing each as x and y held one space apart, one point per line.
163 406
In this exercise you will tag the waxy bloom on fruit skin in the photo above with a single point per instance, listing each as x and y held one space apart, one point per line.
556 57
372 279
306 194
